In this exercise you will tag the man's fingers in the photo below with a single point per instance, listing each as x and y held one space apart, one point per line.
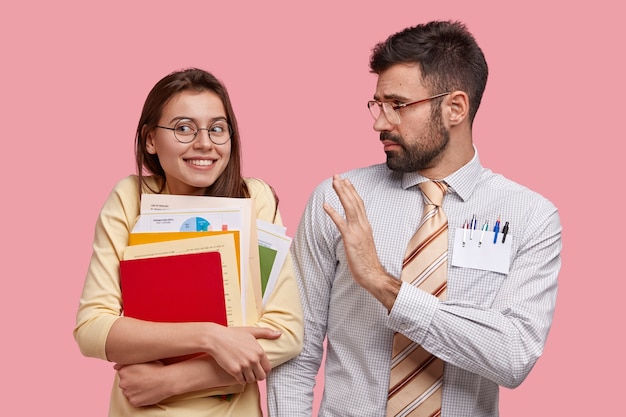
346 197
334 216
352 203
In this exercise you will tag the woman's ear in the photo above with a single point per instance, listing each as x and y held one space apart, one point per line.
150 147
459 107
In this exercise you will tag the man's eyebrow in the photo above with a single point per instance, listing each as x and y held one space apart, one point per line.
390 97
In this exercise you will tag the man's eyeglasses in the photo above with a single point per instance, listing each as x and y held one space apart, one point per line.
186 130
392 113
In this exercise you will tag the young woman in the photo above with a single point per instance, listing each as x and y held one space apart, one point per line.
187 143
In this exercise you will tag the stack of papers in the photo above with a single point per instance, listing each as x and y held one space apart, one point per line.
251 253
273 249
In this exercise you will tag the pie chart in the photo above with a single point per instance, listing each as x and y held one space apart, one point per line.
195 224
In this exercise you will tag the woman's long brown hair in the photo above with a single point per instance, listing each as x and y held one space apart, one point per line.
230 183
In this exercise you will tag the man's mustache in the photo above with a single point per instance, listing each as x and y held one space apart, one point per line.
390 137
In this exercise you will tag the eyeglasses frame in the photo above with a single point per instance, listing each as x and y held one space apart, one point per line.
198 129
386 105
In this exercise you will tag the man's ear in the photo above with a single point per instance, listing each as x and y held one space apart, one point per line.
458 108
149 140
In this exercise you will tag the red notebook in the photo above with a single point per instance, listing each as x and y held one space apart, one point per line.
178 288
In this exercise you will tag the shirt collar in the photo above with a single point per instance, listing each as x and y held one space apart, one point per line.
462 182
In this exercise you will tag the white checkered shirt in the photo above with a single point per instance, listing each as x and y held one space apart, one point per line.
490 331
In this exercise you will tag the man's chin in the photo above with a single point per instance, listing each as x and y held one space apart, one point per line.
394 164
390 159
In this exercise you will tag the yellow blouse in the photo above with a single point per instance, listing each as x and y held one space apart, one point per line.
101 305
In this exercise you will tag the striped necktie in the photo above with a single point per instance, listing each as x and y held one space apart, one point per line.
417 376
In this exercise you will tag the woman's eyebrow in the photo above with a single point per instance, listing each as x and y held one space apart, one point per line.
193 119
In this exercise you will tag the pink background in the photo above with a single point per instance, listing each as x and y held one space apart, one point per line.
74 77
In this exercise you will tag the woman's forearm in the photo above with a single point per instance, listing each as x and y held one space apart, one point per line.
136 341
198 374
150 383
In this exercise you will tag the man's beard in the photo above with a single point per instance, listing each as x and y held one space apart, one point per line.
424 152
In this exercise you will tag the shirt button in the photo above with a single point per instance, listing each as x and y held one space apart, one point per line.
404 326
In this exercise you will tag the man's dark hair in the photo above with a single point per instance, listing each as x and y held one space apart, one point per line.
447 54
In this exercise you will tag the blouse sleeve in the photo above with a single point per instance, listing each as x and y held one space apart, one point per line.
101 301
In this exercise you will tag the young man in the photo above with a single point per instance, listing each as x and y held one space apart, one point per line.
487 321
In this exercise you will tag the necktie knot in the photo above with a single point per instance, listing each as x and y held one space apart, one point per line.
433 191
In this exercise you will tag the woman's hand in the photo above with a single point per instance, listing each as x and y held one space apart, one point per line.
237 351
144 383
234 355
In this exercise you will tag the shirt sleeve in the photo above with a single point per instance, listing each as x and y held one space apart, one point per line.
501 342
290 387
283 310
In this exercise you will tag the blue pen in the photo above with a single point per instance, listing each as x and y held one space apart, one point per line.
496 229
482 235
473 226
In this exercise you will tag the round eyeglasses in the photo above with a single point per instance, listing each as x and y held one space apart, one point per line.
392 113
186 130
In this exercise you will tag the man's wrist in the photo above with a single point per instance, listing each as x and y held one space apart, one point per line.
386 289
